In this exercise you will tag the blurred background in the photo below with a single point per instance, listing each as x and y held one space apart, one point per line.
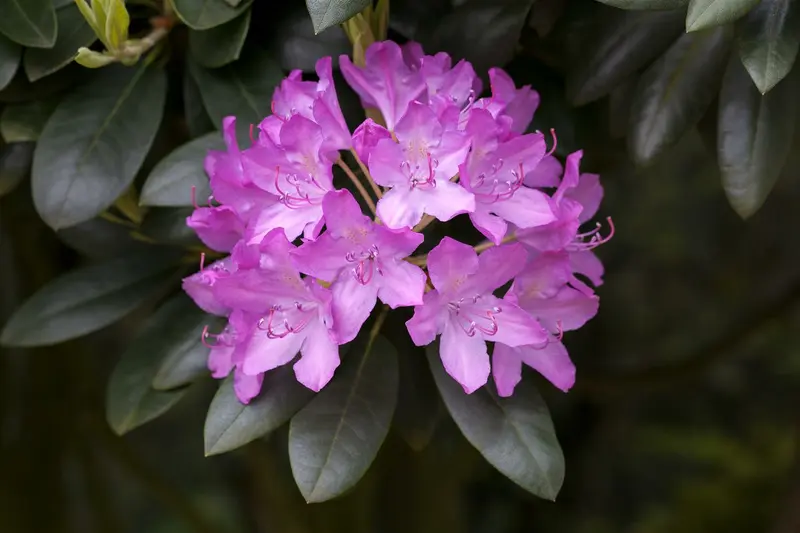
684 416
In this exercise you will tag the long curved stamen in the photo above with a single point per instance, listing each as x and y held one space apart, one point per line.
252 139
280 327
299 198
366 265
194 197
595 239
555 142
510 186
205 335
429 181
474 318
560 334
202 260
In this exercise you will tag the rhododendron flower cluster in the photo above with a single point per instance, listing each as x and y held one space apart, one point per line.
306 261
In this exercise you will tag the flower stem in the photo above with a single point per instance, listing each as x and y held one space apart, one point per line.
424 223
485 245
360 186
365 170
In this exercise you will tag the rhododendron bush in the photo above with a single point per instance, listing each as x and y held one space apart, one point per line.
351 219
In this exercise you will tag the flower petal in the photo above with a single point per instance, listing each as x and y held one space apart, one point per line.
218 227
352 305
428 319
260 353
366 137
526 208
401 284
323 258
506 369
493 227
320 359
546 174
447 200
385 163
588 193
465 358
344 218
400 208
496 267
568 310
587 264
515 327
292 221
552 362
398 243
450 263
246 387
220 360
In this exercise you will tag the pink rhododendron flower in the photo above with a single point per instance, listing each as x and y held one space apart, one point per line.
466 313
364 261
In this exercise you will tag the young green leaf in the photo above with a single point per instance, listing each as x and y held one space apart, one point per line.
180 343
130 399
230 424
10 55
79 172
335 438
645 4
674 93
31 23
242 89
515 434
624 42
206 14
768 40
220 45
754 136
170 184
15 165
328 13
709 13
73 33
24 122
86 300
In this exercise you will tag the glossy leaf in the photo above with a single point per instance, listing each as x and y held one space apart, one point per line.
130 399
206 14
484 32
623 42
242 89
179 341
220 45
15 165
298 47
167 225
768 41
754 136
79 171
709 13
645 4
514 434
418 406
86 300
73 33
171 182
328 13
25 122
674 93
335 438
10 56
197 120
99 238
230 424
31 23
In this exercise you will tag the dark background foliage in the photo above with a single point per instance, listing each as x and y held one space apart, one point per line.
684 416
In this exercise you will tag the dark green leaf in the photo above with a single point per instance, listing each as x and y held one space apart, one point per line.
95 142
619 107
335 438
484 32
130 399
674 93
515 434
415 18
170 184
298 47
754 136
197 120
206 14
25 122
22 90
30 23
86 299
231 424
102 239
709 13
15 165
233 3
242 89
167 225
10 55
220 45
418 404
624 42
768 39
73 33
645 4
328 13
179 342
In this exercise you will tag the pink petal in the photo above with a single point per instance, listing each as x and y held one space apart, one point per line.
506 369
218 227
589 193
220 361
320 358
521 108
465 358
246 387
323 258
418 128
493 227
450 263
366 137
496 267
588 264
568 310
451 152
261 353
446 200
352 305
552 362
428 319
571 175
385 162
344 216
526 208
398 243
546 174
401 284
401 208
515 327
542 277
292 221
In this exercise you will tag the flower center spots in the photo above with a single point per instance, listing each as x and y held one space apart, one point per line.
365 264
474 315
298 191
283 320
419 177
492 187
